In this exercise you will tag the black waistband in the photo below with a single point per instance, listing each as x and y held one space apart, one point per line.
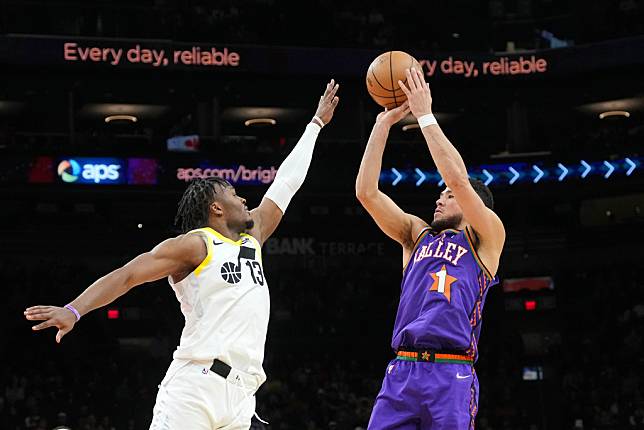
220 368
434 356
433 350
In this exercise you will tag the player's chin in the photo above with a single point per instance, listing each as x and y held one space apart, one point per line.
439 222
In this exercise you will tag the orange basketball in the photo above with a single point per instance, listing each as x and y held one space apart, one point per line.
383 75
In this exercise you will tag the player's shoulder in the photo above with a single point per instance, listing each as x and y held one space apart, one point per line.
187 241
493 236
417 230
184 247
418 226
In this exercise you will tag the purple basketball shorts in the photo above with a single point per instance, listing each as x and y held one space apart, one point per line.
419 395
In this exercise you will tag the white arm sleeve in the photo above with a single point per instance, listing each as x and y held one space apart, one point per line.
290 176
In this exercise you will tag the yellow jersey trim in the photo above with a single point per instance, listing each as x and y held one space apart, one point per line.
470 241
221 236
209 248
225 239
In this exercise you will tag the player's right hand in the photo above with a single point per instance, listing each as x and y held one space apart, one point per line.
391 117
328 102
52 316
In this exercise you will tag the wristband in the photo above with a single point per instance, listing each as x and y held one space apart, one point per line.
427 120
316 119
73 309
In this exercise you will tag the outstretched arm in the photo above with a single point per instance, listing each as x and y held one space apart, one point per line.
291 174
451 167
178 255
392 220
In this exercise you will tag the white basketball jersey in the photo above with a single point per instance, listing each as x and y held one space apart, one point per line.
226 304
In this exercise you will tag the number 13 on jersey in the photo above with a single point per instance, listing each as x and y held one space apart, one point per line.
256 272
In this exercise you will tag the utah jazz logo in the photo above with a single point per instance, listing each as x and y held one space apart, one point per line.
232 273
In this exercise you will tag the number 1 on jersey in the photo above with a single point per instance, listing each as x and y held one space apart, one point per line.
443 283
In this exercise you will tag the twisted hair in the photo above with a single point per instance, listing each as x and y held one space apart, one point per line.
194 207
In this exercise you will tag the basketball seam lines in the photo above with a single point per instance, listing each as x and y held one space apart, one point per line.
378 82
391 77
411 64
382 97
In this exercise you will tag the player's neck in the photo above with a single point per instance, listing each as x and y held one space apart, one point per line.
225 230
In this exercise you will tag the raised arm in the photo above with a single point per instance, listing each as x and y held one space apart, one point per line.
392 220
487 225
179 255
291 174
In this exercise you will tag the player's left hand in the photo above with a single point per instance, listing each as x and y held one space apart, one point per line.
328 102
390 117
418 93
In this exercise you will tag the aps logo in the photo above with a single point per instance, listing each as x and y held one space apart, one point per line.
88 171
69 170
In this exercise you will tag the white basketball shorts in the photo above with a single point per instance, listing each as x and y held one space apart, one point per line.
192 397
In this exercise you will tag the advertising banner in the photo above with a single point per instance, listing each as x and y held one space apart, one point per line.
81 170
221 57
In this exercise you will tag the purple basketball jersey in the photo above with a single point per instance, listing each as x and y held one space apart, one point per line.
442 295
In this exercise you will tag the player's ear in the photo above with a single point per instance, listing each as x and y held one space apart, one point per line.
216 208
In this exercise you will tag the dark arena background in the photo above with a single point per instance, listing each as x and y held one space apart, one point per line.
108 109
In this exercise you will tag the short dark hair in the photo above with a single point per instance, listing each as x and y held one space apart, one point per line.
194 207
483 191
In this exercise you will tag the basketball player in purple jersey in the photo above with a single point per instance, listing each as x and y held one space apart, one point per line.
448 267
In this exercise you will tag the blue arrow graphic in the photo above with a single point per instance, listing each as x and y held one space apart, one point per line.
563 170
515 173
398 176
632 164
539 174
490 178
422 176
588 169
610 169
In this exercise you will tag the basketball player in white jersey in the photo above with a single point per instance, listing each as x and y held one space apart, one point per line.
216 271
